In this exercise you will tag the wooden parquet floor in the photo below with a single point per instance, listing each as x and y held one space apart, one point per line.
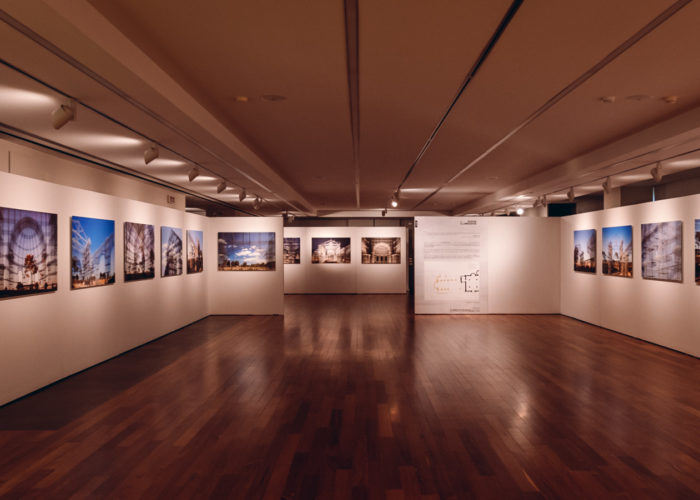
352 397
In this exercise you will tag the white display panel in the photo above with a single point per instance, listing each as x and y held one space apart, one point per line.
355 277
451 272
662 312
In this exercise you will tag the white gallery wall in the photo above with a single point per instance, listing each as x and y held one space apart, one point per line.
665 313
518 261
45 337
354 277
244 292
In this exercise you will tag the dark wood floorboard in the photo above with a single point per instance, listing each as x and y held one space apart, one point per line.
351 397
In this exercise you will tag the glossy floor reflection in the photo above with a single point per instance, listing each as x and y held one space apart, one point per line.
353 397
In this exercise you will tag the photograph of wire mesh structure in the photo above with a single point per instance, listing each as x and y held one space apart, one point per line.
662 251
92 252
246 251
170 251
195 252
28 256
584 251
291 250
617 251
139 251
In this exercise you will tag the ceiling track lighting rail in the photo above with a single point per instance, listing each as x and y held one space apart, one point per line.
56 51
16 135
614 54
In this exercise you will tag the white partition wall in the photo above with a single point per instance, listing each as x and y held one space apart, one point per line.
355 277
662 312
518 262
245 292
48 336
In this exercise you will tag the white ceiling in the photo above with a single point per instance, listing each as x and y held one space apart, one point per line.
529 122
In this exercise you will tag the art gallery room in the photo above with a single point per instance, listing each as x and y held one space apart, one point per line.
350 249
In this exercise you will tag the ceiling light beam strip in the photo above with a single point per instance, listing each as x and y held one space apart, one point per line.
32 35
619 50
507 18
352 55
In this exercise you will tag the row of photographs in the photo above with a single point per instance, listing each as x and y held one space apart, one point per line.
29 260
337 250
662 251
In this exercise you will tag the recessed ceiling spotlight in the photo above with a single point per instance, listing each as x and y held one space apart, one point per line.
150 154
272 97
638 97
608 99
221 187
193 174
240 98
670 99
63 114
520 211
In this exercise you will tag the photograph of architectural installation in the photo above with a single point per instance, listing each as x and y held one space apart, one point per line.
617 251
246 251
195 255
27 252
92 252
290 250
330 250
697 251
170 251
662 251
139 251
381 250
584 250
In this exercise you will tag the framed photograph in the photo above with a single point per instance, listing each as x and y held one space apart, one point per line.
662 251
195 252
697 251
246 251
381 250
170 251
28 257
330 250
291 248
617 251
585 251
139 251
91 252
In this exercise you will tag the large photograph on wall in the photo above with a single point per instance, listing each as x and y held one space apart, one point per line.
170 251
662 251
697 251
381 250
246 251
139 251
291 250
91 252
585 250
28 256
195 254
330 250
617 251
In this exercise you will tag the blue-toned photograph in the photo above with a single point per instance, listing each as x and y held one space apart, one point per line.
91 252
246 251
28 254
617 251
170 251
195 255
584 251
